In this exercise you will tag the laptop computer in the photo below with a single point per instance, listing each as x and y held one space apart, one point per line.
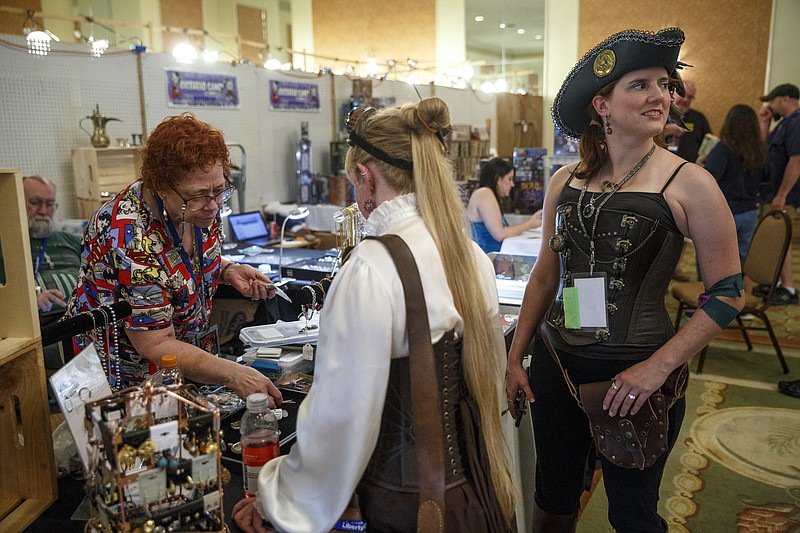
249 229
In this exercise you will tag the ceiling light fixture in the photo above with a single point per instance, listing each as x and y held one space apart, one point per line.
521 31
38 39
371 68
488 87
502 25
185 52
479 18
98 46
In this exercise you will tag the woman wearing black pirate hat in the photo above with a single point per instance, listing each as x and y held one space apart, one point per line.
614 225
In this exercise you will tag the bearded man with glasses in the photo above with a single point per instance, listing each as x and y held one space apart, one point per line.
156 245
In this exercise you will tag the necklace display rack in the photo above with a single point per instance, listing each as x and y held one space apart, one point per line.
154 461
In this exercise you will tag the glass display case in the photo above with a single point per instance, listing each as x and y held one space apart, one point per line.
511 273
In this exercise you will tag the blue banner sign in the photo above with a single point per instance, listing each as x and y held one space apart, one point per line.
201 90
289 95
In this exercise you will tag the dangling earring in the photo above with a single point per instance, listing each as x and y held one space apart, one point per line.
609 131
369 207
183 219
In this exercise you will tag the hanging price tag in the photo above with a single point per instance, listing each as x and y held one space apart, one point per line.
308 352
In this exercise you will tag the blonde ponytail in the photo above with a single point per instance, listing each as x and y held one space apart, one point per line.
410 132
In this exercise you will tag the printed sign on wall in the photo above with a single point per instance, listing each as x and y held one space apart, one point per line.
293 96
201 90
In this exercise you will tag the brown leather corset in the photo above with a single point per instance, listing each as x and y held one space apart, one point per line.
393 463
637 251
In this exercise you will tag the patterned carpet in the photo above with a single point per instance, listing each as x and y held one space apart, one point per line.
735 465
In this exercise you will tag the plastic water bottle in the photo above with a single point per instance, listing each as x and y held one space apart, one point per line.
169 373
260 440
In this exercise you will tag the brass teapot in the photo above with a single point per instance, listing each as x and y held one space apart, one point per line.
98 136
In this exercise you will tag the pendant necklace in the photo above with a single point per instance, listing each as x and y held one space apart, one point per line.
609 187
589 210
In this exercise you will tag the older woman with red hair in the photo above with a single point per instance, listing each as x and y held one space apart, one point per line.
156 245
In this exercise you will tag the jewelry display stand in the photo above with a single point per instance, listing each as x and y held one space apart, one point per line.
154 461
27 470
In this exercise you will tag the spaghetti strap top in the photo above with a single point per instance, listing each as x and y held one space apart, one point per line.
678 169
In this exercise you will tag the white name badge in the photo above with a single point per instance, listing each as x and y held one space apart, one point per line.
592 302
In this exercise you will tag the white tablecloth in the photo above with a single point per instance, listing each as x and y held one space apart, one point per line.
526 244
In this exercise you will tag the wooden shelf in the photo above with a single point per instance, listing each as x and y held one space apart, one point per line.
27 467
18 514
101 173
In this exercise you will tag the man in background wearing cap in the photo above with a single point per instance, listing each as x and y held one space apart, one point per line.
783 161
686 142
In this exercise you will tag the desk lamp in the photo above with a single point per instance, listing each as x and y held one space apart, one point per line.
295 214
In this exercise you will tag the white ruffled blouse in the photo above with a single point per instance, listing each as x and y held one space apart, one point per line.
362 327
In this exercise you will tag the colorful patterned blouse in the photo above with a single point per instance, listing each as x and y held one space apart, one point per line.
128 254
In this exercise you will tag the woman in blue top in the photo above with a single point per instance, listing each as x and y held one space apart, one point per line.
489 226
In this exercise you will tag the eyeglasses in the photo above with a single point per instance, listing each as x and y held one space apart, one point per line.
51 205
196 203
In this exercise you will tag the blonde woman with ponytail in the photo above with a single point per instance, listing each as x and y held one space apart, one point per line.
348 437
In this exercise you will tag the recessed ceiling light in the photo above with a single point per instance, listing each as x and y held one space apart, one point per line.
479 18
502 25
521 31
538 36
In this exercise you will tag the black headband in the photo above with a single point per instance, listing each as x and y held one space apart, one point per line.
356 139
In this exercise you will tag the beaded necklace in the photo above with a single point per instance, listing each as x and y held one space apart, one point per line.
589 210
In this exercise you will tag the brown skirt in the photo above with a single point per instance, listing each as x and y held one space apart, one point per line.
388 511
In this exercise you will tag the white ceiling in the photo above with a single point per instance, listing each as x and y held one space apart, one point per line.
487 38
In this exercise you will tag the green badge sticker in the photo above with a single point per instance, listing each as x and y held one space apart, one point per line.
572 312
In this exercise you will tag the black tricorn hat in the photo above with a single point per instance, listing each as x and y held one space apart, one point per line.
607 62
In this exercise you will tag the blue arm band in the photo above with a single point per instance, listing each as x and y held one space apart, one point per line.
720 312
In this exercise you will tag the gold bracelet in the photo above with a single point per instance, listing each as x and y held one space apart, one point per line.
224 269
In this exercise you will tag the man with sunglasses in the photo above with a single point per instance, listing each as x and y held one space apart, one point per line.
156 245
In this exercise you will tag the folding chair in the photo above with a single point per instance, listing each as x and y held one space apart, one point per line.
763 266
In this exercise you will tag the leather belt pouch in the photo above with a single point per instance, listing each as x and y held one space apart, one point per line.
633 441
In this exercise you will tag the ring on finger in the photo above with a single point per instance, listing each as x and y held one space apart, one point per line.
614 385
631 397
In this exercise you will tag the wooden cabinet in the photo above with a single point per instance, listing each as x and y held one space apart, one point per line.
100 173
519 122
27 467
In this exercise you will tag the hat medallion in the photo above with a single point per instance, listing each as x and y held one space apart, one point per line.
604 63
